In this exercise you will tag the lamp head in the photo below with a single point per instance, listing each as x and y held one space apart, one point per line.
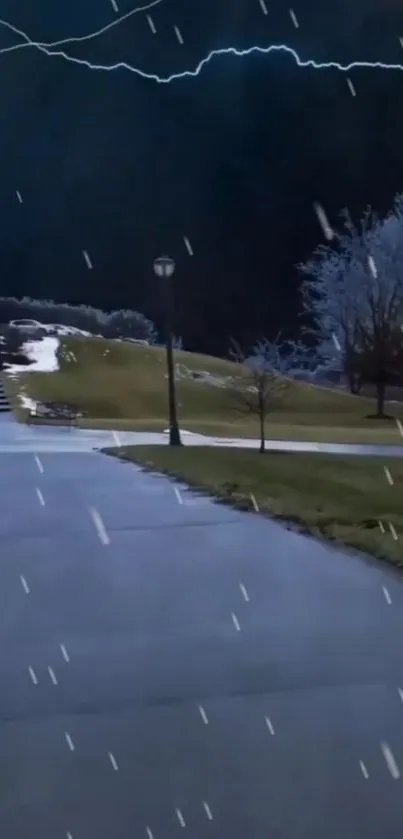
164 266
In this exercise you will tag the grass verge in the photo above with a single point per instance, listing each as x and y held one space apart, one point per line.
342 499
123 386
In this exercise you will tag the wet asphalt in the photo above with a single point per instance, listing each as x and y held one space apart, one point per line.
171 667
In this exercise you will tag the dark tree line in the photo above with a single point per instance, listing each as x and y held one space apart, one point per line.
123 323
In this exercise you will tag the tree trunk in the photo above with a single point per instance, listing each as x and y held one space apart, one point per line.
262 433
352 384
380 399
355 383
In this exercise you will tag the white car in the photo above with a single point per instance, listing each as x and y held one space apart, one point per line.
26 325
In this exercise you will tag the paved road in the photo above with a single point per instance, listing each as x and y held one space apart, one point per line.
170 667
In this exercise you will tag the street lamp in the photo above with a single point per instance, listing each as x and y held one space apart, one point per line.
164 268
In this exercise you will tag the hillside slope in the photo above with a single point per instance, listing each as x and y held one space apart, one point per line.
118 384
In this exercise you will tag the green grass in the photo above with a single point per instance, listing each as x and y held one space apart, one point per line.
338 498
124 386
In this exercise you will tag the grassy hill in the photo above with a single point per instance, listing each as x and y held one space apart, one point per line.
121 385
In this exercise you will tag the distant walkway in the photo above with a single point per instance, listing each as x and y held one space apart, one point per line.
16 437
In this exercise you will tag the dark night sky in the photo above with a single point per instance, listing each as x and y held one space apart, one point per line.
233 159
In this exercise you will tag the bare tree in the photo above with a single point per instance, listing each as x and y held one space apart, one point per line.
353 294
259 387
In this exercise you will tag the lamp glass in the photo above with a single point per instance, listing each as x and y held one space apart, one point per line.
164 266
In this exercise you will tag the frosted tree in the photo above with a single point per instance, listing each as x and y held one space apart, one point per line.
259 386
353 295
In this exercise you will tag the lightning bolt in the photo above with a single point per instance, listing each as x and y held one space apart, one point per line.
71 40
49 50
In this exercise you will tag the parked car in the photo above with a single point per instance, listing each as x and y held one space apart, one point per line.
28 327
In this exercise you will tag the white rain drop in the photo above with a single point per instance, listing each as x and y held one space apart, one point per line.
188 246
87 260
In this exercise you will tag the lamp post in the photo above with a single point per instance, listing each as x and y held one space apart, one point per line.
164 268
